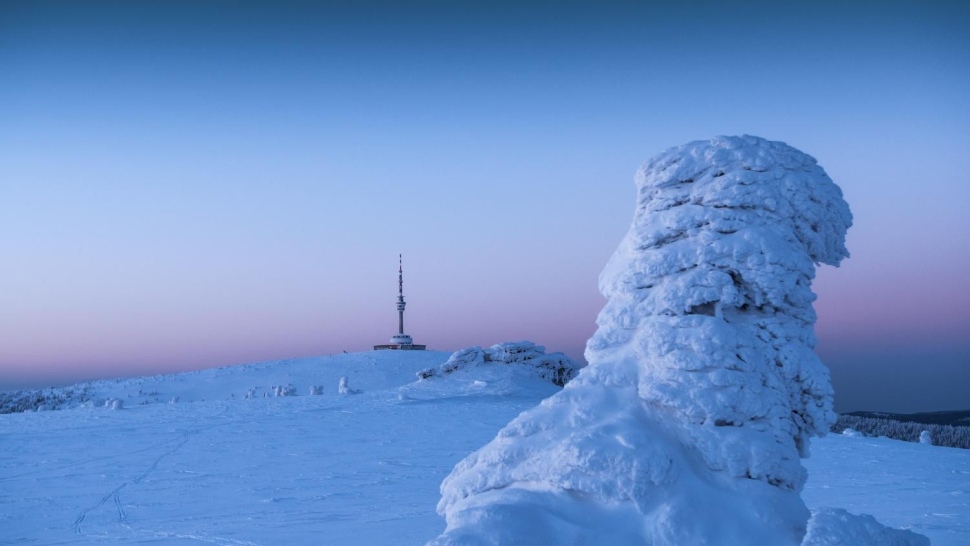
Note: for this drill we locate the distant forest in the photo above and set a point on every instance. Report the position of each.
(959, 418)
(947, 428)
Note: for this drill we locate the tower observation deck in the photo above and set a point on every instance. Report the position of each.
(400, 341)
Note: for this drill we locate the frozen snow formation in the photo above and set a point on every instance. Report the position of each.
(288, 390)
(836, 527)
(343, 387)
(316, 390)
(702, 388)
(925, 437)
(555, 367)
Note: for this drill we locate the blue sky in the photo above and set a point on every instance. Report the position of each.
(195, 184)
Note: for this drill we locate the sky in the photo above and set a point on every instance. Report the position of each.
(194, 184)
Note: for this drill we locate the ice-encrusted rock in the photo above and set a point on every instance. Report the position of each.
(836, 527)
(702, 388)
(462, 358)
(554, 367)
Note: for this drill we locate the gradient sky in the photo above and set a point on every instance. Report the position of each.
(192, 184)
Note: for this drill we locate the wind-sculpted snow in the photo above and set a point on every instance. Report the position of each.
(554, 367)
(702, 389)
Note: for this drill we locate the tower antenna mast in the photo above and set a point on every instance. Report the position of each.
(400, 341)
(400, 294)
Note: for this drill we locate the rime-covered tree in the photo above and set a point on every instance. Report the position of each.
(702, 389)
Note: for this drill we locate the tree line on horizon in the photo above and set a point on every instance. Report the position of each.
(942, 435)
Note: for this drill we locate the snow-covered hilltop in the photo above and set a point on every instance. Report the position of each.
(376, 370)
(702, 389)
(319, 376)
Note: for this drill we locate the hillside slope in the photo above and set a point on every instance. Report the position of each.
(376, 370)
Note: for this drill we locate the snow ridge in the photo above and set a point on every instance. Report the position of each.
(702, 389)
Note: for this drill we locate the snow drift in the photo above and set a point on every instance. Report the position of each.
(702, 389)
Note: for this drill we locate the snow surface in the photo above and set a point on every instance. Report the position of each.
(903, 484)
(331, 469)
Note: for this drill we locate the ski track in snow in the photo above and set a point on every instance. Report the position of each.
(115, 494)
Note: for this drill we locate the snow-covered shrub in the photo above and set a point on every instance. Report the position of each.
(316, 390)
(702, 389)
(836, 527)
(117, 404)
(851, 433)
(926, 438)
(343, 387)
(555, 367)
(288, 390)
(53, 398)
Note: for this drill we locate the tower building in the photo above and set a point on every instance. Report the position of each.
(400, 341)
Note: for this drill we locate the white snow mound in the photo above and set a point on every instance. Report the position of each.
(702, 388)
